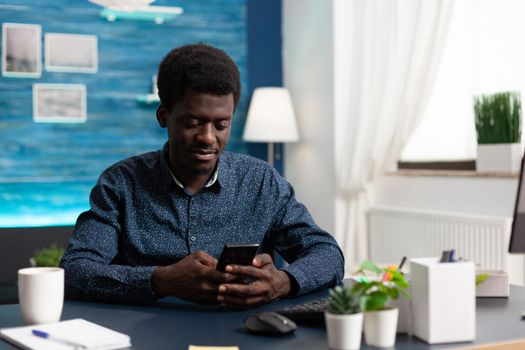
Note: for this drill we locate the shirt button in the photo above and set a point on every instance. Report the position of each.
(193, 238)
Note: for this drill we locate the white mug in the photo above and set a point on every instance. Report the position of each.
(41, 294)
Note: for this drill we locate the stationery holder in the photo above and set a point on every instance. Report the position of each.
(496, 284)
(443, 300)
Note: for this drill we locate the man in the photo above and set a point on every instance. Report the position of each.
(158, 221)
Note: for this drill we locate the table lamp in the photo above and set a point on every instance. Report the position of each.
(271, 119)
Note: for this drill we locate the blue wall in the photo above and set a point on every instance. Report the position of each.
(264, 57)
(47, 170)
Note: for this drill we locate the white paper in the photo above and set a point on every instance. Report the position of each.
(88, 334)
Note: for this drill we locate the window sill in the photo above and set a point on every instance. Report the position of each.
(453, 173)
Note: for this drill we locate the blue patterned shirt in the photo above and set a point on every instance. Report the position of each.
(140, 220)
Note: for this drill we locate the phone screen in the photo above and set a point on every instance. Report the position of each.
(239, 254)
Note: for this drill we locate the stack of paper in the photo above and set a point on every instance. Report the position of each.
(62, 336)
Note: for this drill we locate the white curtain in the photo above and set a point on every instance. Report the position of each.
(385, 68)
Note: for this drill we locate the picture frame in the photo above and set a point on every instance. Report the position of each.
(21, 50)
(73, 53)
(59, 103)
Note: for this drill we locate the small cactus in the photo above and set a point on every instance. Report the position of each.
(343, 301)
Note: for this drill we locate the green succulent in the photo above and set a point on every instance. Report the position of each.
(498, 118)
(49, 256)
(343, 301)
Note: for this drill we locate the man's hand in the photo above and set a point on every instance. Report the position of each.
(268, 284)
(193, 278)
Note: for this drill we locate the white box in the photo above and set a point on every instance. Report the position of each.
(496, 285)
(443, 300)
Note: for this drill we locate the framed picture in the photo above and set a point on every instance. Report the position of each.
(59, 103)
(21, 50)
(72, 53)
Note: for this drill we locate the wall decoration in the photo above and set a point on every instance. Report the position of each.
(72, 53)
(59, 103)
(153, 97)
(21, 50)
(154, 86)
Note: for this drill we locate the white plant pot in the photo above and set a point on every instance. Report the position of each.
(380, 327)
(344, 331)
(499, 157)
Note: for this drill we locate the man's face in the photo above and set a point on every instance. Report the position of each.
(198, 129)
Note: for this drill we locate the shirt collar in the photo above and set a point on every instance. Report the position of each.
(208, 184)
(166, 172)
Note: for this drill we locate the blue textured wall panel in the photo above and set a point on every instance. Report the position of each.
(264, 58)
(47, 170)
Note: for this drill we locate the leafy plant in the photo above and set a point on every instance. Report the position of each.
(343, 301)
(49, 256)
(498, 118)
(388, 283)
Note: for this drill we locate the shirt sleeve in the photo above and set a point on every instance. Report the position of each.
(314, 258)
(90, 271)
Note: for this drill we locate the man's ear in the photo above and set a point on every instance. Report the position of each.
(162, 116)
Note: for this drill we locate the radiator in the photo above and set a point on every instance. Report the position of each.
(397, 232)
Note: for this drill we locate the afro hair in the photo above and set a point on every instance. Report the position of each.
(199, 67)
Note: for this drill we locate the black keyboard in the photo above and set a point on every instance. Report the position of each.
(308, 313)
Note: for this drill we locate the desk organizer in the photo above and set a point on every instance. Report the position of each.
(443, 300)
(496, 285)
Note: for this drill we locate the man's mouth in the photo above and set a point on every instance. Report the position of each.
(203, 154)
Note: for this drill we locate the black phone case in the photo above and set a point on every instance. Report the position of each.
(241, 254)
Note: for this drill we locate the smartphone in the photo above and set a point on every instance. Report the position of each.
(237, 254)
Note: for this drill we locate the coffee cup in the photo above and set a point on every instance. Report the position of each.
(41, 294)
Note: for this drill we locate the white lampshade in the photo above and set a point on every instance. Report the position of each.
(271, 117)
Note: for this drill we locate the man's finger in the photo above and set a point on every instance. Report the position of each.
(247, 271)
(206, 259)
(222, 277)
(243, 290)
(262, 260)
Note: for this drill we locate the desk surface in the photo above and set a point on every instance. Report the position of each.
(172, 324)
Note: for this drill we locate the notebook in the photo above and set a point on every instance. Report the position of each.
(89, 335)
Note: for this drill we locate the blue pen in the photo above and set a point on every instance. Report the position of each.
(50, 337)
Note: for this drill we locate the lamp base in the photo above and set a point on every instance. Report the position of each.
(271, 158)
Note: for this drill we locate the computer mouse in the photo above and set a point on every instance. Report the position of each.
(269, 323)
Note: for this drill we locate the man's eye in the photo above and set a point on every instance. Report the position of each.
(223, 124)
(191, 122)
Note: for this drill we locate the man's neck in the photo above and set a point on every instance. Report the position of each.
(192, 181)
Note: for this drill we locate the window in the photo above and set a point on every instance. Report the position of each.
(484, 54)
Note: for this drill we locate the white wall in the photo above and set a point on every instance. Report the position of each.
(308, 74)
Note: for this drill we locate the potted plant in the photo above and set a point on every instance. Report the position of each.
(344, 319)
(498, 128)
(48, 256)
(380, 320)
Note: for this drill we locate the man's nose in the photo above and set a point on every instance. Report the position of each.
(206, 134)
